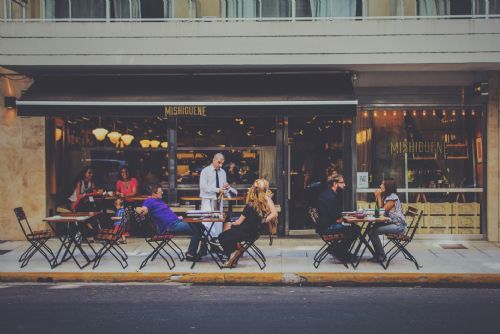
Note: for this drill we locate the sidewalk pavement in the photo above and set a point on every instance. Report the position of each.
(289, 261)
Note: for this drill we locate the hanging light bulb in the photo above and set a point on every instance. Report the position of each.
(463, 112)
(394, 113)
(145, 143)
(114, 136)
(414, 113)
(453, 112)
(433, 112)
(374, 113)
(424, 112)
(155, 143)
(100, 133)
(164, 144)
(127, 139)
(365, 113)
(385, 113)
(473, 113)
(404, 112)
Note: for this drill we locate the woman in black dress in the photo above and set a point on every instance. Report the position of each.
(259, 209)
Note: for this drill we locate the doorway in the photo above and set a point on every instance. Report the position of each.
(315, 146)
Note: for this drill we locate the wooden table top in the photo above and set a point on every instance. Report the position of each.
(367, 219)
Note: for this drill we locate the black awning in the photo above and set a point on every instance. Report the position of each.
(148, 94)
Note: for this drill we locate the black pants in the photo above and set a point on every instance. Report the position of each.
(350, 232)
(228, 239)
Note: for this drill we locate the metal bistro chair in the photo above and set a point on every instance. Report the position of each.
(398, 242)
(37, 240)
(248, 246)
(330, 240)
(110, 241)
(158, 242)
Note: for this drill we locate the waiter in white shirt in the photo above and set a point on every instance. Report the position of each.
(213, 184)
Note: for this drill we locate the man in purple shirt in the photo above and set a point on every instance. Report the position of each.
(167, 222)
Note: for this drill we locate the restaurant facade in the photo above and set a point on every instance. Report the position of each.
(433, 128)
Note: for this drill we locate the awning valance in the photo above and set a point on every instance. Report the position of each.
(118, 95)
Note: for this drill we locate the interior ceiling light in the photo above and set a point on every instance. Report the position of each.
(155, 143)
(100, 133)
(114, 136)
(145, 143)
(127, 139)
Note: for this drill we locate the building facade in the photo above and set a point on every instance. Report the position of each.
(286, 89)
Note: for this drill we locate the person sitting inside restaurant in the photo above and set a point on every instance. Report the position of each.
(330, 218)
(167, 222)
(126, 186)
(84, 185)
(259, 208)
(387, 198)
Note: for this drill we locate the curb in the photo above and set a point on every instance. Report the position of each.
(299, 278)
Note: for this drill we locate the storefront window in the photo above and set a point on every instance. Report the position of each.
(248, 145)
(139, 144)
(436, 157)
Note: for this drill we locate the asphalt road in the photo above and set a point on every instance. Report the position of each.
(169, 308)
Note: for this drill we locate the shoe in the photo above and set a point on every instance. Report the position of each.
(231, 263)
(203, 250)
(122, 241)
(192, 258)
(215, 247)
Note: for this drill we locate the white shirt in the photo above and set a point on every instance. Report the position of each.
(208, 187)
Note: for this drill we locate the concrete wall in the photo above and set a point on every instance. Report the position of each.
(467, 44)
(22, 163)
(493, 163)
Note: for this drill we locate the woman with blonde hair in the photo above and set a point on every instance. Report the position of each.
(259, 209)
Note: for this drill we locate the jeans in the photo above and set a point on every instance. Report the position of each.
(383, 228)
(195, 231)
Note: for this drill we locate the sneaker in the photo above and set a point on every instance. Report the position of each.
(215, 247)
(192, 258)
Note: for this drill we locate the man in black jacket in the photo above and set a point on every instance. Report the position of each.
(330, 217)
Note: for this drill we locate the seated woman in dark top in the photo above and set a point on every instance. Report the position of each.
(259, 207)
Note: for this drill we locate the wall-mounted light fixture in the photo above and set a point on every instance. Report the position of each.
(9, 102)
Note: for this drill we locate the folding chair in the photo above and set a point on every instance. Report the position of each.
(110, 241)
(158, 242)
(330, 241)
(37, 240)
(399, 242)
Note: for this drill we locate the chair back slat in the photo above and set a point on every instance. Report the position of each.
(23, 221)
(413, 228)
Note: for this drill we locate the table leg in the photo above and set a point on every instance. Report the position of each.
(363, 240)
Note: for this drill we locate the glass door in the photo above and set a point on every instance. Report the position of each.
(315, 147)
